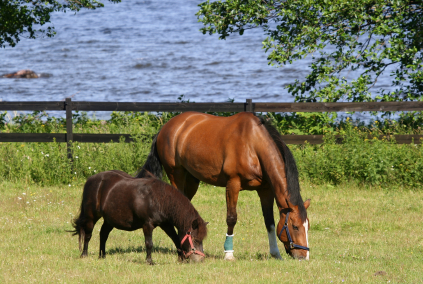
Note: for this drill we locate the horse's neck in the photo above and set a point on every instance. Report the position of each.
(273, 167)
(179, 216)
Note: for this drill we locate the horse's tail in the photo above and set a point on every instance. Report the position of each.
(153, 164)
(78, 223)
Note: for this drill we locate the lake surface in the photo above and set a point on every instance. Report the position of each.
(145, 51)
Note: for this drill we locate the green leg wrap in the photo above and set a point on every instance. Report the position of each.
(229, 244)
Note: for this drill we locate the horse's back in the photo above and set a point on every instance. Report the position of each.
(117, 197)
(212, 148)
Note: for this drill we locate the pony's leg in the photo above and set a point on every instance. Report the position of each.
(88, 228)
(104, 234)
(148, 235)
(267, 201)
(232, 191)
(191, 186)
(170, 231)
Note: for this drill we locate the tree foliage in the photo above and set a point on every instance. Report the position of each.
(27, 18)
(368, 37)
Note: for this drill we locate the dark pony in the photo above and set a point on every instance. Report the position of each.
(128, 203)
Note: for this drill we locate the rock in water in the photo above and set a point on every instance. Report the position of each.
(22, 74)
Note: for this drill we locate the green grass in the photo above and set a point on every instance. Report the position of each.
(355, 234)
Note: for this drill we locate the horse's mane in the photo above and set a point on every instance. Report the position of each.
(290, 167)
(178, 207)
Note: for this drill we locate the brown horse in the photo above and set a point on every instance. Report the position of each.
(128, 203)
(241, 152)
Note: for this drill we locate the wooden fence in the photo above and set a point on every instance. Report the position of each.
(68, 105)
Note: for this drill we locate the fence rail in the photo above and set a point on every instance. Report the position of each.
(68, 105)
(106, 138)
(213, 107)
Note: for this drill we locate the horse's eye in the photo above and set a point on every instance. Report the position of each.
(295, 227)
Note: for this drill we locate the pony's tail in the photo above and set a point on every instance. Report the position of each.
(77, 224)
(153, 164)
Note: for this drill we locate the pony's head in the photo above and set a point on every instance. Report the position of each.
(293, 229)
(192, 242)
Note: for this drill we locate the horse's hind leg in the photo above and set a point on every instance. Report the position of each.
(88, 229)
(176, 177)
(267, 201)
(191, 186)
(104, 234)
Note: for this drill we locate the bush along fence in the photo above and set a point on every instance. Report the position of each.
(372, 154)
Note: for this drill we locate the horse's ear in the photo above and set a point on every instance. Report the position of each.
(195, 224)
(205, 223)
(307, 203)
(149, 174)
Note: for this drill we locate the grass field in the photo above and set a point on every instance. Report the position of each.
(367, 235)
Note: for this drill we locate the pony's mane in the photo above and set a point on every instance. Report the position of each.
(178, 207)
(290, 167)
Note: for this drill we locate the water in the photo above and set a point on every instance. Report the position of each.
(144, 51)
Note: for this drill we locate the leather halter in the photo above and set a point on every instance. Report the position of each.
(291, 243)
(193, 249)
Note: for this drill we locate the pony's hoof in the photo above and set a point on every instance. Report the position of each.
(150, 262)
(229, 256)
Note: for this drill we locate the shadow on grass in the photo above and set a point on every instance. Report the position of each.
(172, 251)
(140, 249)
(156, 249)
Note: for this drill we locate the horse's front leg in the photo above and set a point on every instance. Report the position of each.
(232, 191)
(170, 231)
(267, 201)
(148, 235)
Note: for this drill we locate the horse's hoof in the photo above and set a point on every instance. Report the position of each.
(277, 256)
(229, 256)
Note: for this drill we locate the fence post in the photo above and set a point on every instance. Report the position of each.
(249, 105)
(69, 133)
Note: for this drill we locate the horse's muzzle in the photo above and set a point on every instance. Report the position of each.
(300, 255)
(196, 258)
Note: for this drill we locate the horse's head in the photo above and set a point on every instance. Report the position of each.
(292, 231)
(192, 242)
